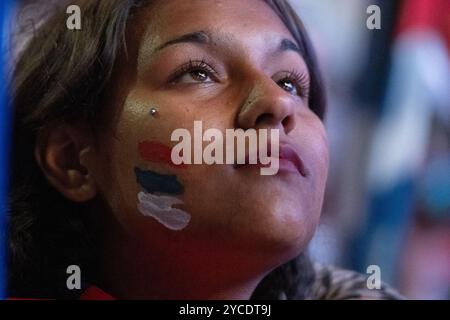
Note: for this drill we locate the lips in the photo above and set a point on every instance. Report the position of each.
(288, 153)
(289, 160)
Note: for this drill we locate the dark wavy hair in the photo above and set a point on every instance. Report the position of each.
(62, 77)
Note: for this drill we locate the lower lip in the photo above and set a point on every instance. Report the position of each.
(284, 166)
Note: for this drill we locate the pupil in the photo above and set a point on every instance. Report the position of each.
(199, 75)
(288, 86)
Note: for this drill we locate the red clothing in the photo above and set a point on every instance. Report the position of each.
(94, 293)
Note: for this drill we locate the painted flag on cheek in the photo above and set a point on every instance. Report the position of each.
(154, 182)
(157, 152)
(158, 200)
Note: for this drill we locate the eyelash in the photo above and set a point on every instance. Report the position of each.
(300, 79)
(192, 65)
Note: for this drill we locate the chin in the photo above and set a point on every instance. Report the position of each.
(279, 231)
(256, 219)
(290, 229)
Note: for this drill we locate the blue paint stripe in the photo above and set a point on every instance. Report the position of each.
(154, 182)
(6, 9)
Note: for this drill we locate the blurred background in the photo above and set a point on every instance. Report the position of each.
(388, 196)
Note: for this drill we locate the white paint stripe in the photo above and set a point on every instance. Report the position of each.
(161, 208)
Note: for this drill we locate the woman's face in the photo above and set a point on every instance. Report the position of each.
(236, 68)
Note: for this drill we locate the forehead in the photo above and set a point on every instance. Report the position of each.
(252, 21)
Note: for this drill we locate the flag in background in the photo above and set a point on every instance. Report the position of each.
(418, 93)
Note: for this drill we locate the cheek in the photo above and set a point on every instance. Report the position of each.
(322, 153)
(315, 147)
(321, 163)
(317, 142)
(147, 183)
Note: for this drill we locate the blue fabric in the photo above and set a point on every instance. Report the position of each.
(381, 238)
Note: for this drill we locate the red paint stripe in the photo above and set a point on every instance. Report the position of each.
(157, 152)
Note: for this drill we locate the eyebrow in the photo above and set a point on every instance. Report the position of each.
(289, 45)
(203, 37)
(200, 37)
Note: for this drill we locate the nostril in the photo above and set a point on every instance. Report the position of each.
(263, 118)
(287, 122)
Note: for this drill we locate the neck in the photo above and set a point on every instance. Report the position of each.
(138, 274)
(178, 269)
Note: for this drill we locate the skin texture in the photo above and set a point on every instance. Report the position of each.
(243, 225)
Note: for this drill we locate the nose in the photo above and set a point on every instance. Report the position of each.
(268, 106)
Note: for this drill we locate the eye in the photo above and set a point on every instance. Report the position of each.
(194, 76)
(194, 72)
(295, 83)
(288, 86)
(199, 75)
